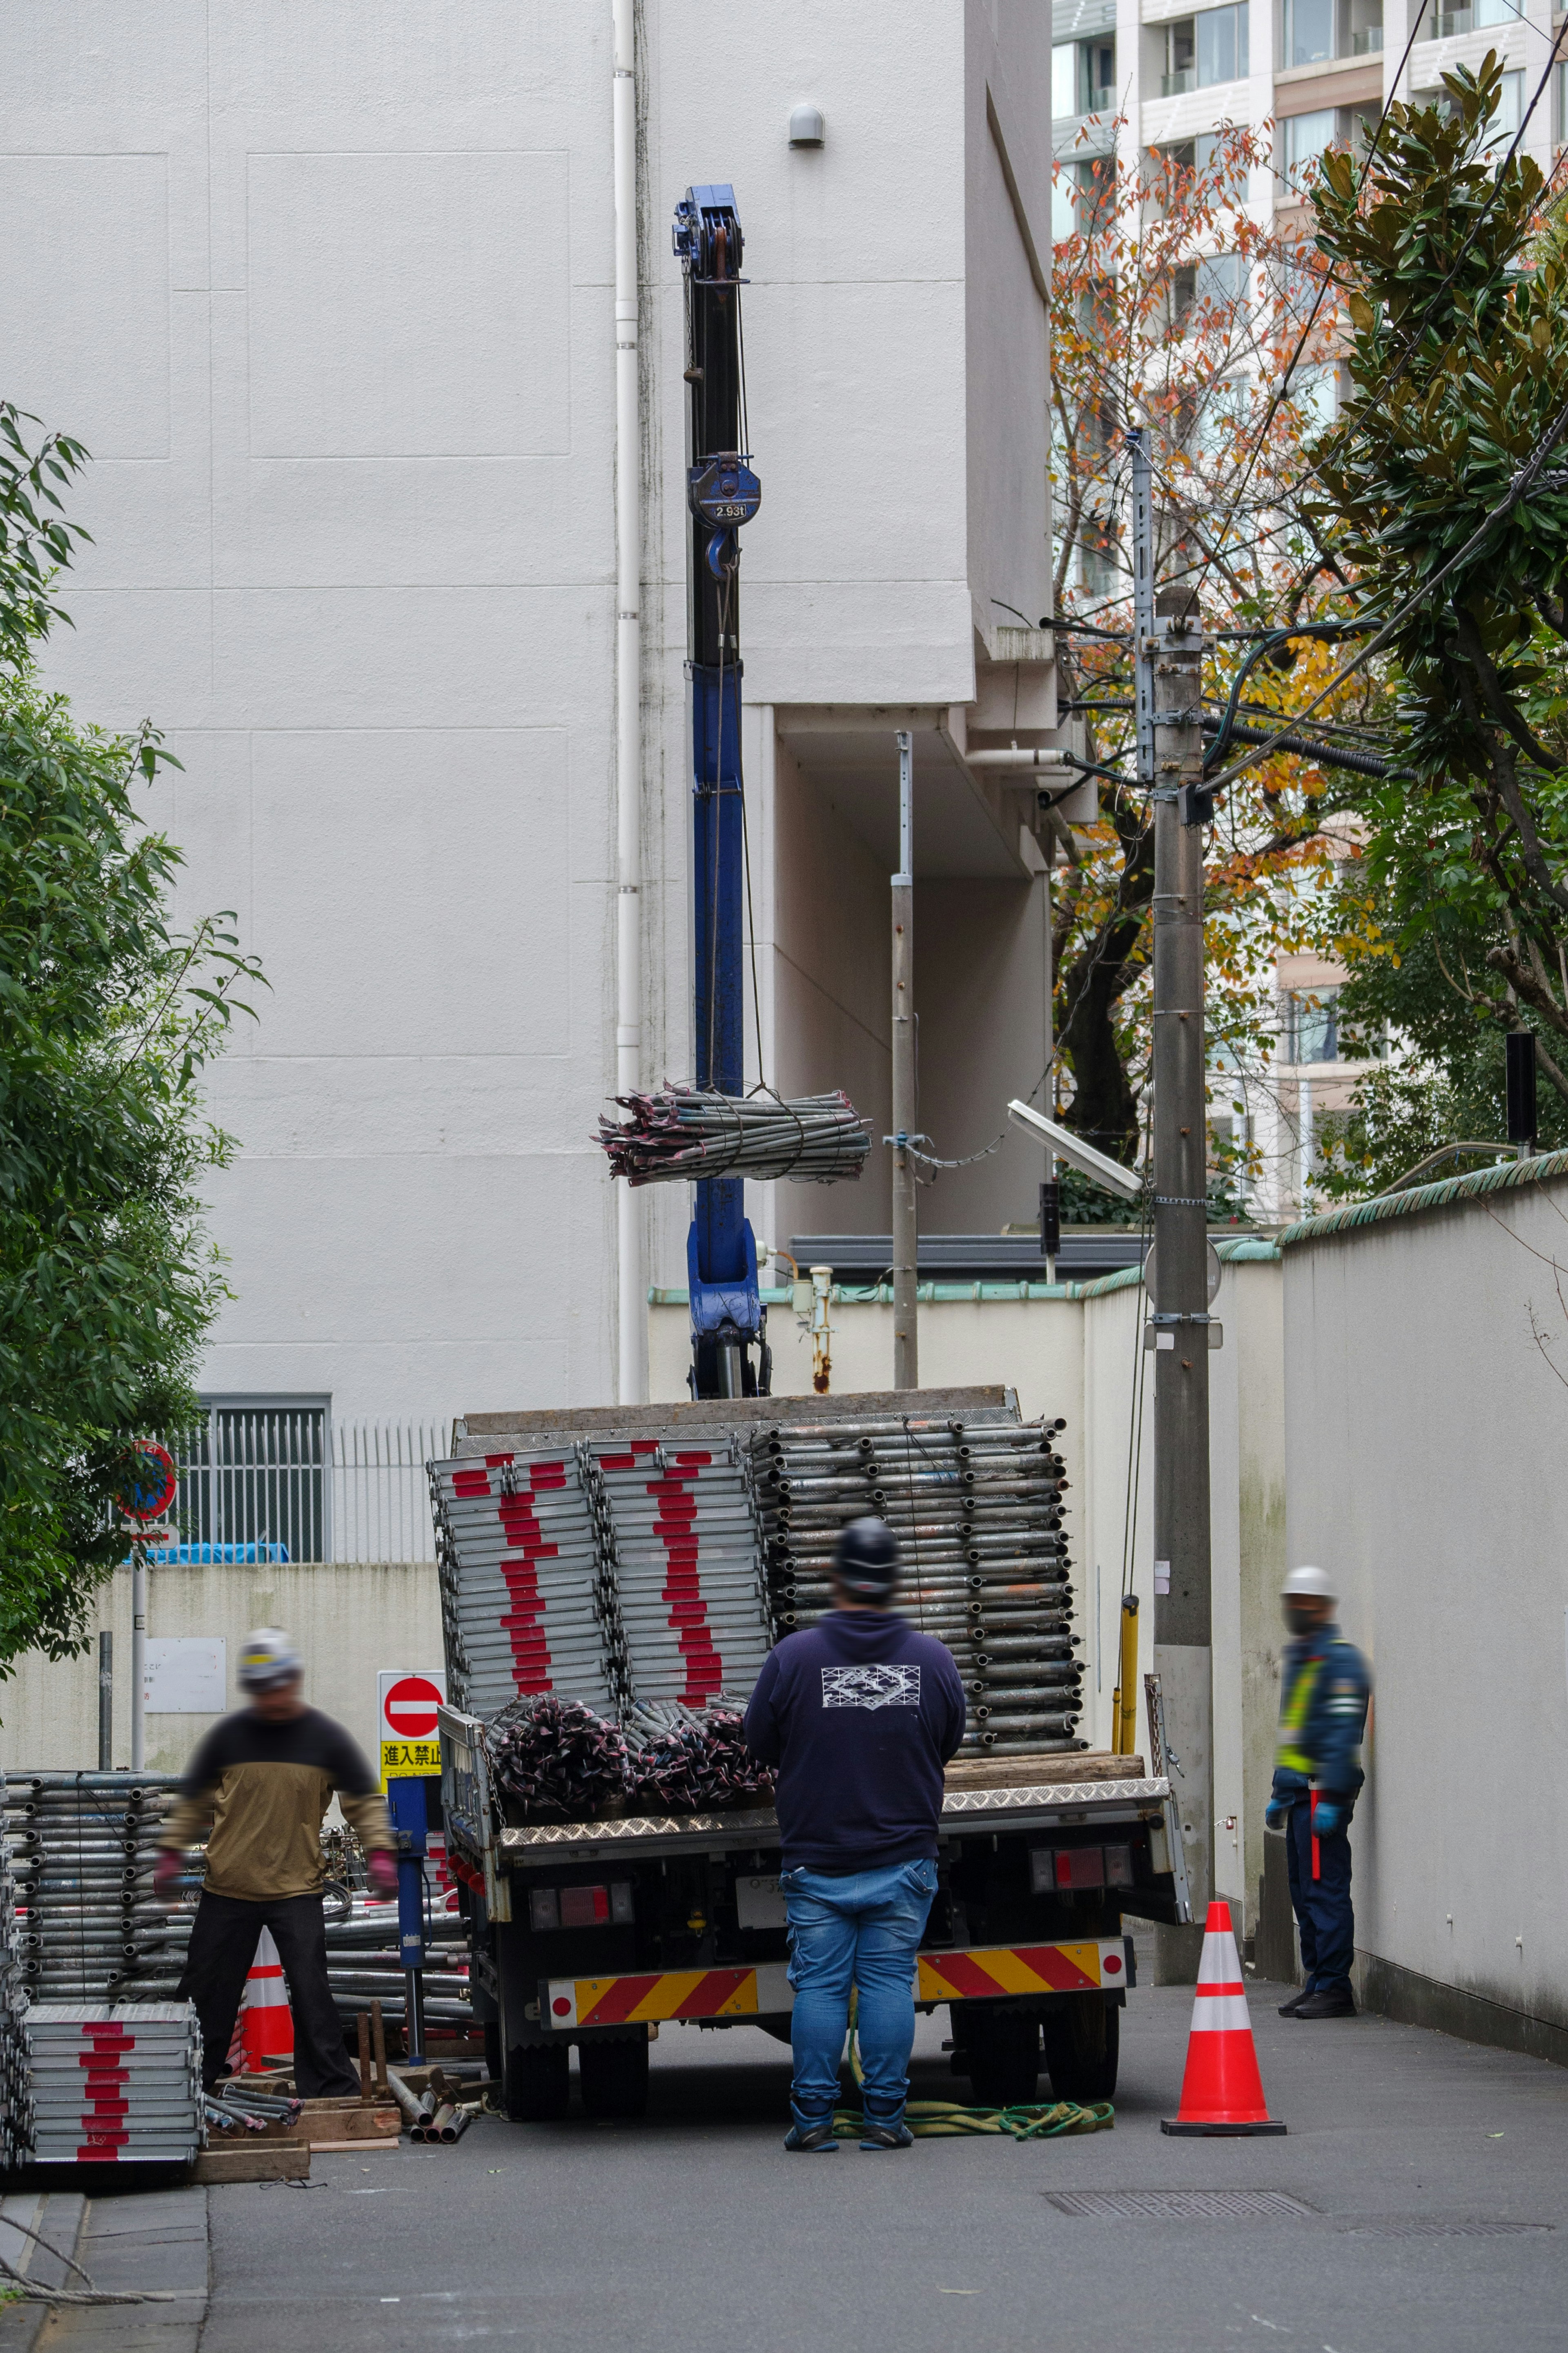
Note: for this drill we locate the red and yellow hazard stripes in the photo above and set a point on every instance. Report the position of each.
(667, 1993)
(992, 1969)
(1097, 1966)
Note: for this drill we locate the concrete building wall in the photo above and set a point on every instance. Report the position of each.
(350, 1622)
(1426, 1358)
(328, 292)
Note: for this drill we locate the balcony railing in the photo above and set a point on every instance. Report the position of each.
(1177, 84)
(1100, 101)
(1368, 42)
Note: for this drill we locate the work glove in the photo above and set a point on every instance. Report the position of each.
(1276, 1813)
(381, 1874)
(166, 1874)
(1331, 1814)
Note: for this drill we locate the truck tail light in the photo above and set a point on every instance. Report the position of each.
(1061, 1867)
(583, 1908)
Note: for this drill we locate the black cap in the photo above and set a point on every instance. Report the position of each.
(868, 1563)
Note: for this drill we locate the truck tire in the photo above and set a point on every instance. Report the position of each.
(1004, 2052)
(1082, 2044)
(538, 2082)
(615, 2078)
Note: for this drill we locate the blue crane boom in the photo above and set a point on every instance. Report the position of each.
(729, 1357)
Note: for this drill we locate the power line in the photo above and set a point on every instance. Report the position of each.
(1524, 480)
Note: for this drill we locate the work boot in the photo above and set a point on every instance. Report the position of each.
(886, 2132)
(1288, 2009)
(811, 2135)
(1331, 2001)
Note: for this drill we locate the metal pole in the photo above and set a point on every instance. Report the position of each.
(906, 1349)
(1170, 663)
(631, 1280)
(1050, 1191)
(106, 1702)
(138, 1656)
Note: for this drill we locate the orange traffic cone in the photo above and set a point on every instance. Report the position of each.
(265, 2027)
(1222, 2090)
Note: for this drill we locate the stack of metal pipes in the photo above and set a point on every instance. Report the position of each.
(977, 1508)
(83, 1921)
(526, 1603)
(682, 1537)
(365, 1964)
(685, 1132)
(15, 2076)
(116, 2084)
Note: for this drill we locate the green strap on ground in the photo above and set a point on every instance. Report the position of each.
(945, 2120)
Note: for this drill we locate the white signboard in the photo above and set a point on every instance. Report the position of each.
(186, 1675)
(406, 1699)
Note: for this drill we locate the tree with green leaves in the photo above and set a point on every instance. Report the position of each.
(108, 1285)
(1446, 499)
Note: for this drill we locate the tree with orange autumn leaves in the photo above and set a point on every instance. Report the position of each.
(1174, 307)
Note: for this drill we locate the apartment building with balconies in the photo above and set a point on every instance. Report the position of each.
(1318, 71)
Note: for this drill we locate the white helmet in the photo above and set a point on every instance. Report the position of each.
(267, 1659)
(1309, 1585)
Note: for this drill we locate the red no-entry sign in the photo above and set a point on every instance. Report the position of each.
(408, 1708)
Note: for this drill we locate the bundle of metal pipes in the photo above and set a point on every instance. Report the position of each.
(557, 1760)
(238, 2110)
(686, 1132)
(682, 1760)
(526, 1603)
(977, 1509)
(117, 2084)
(682, 1544)
(365, 1964)
(83, 1923)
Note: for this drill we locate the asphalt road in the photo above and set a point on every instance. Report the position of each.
(1434, 2173)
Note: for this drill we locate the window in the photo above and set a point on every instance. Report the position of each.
(1305, 136)
(1064, 78)
(1083, 77)
(1317, 30)
(1311, 1027)
(1222, 46)
(255, 1472)
(1472, 16)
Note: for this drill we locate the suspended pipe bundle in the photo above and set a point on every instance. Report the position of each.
(685, 1132)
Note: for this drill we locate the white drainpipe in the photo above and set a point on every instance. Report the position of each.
(631, 1285)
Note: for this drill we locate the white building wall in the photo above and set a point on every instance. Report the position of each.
(327, 289)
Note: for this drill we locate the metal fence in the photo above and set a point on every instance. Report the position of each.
(284, 1480)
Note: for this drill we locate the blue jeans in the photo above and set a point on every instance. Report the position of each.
(1322, 1905)
(864, 1929)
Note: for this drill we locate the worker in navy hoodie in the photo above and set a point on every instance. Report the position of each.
(859, 1714)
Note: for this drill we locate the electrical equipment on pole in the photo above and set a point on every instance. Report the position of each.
(729, 1353)
(1170, 652)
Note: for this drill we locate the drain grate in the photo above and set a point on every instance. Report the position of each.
(1182, 2205)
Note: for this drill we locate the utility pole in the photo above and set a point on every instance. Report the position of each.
(1170, 650)
(906, 1349)
(1051, 1190)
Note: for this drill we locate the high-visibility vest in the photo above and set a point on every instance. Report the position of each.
(1290, 1755)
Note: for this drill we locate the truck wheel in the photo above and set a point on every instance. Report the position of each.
(538, 2082)
(1082, 2043)
(1004, 2050)
(615, 2078)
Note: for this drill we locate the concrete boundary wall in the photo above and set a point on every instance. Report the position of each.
(349, 1621)
(1425, 1353)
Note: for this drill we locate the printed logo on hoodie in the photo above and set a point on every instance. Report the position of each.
(872, 1686)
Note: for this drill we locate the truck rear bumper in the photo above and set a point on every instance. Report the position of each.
(982, 1973)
